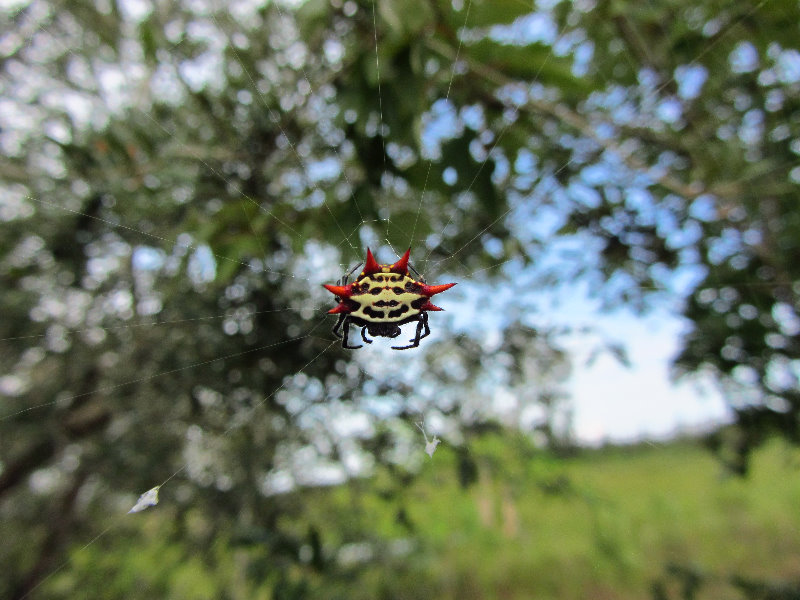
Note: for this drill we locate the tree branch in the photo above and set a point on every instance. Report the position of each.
(573, 120)
(58, 528)
(30, 459)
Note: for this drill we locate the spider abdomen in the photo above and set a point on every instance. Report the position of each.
(386, 301)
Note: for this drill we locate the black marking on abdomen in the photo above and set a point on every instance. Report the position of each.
(370, 312)
(386, 303)
(397, 312)
(352, 305)
(419, 302)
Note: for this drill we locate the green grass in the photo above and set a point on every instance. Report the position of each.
(602, 524)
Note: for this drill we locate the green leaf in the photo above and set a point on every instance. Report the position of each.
(534, 62)
(311, 15)
(483, 13)
(405, 18)
(148, 39)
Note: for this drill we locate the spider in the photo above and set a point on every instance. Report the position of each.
(381, 299)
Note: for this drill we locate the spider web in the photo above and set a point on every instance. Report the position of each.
(367, 228)
(150, 498)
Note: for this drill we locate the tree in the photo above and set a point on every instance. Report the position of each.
(195, 165)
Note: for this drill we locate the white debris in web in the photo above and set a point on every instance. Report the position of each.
(430, 445)
(146, 500)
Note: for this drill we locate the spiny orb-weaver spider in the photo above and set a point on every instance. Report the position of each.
(381, 299)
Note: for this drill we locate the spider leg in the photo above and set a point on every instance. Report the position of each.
(364, 335)
(427, 332)
(346, 331)
(344, 280)
(416, 273)
(422, 321)
(338, 327)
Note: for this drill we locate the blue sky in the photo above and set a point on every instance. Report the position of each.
(616, 403)
(609, 401)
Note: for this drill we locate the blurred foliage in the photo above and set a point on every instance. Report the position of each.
(179, 178)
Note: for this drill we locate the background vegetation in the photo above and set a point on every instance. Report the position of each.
(637, 522)
(179, 178)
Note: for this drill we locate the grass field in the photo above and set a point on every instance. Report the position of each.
(645, 521)
(625, 522)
